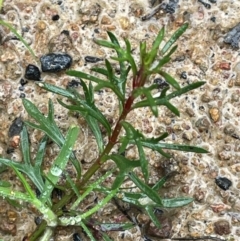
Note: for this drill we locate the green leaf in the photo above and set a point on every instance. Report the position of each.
(174, 38)
(145, 189)
(176, 202)
(135, 136)
(153, 53)
(162, 99)
(101, 83)
(172, 108)
(171, 146)
(48, 126)
(170, 80)
(106, 227)
(24, 182)
(150, 211)
(159, 184)
(59, 163)
(13, 30)
(113, 38)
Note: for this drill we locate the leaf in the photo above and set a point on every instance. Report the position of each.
(145, 189)
(24, 182)
(170, 80)
(101, 83)
(172, 108)
(106, 227)
(162, 99)
(59, 163)
(174, 38)
(13, 30)
(135, 137)
(176, 202)
(48, 126)
(150, 57)
(56, 90)
(151, 214)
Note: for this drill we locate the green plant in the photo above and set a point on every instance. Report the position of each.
(75, 191)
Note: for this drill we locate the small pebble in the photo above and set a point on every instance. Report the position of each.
(55, 62)
(92, 59)
(76, 237)
(222, 227)
(32, 72)
(73, 83)
(22, 95)
(225, 66)
(55, 17)
(23, 82)
(214, 114)
(16, 127)
(161, 83)
(183, 75)
(223, 182)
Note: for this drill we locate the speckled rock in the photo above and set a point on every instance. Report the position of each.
(55, 62)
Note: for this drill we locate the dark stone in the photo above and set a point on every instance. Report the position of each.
(170, 7)
(233, 37)
(206, 5)
(32, 72)
(66, 32)
(16, 127)
(73, 83)
(223, 182)
(22, 95)
(183, 75)
(55, 17)
(23, 82)
(212, 1)
(55, 62)
(222, 227)
(92, 59)
(161, 83)
(76, 237)
(37, 220)
(213, 19)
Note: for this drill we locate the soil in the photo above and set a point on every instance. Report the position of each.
(210, 116)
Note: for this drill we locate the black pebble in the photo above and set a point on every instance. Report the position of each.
(223, 183)
(161, 83)
(32, 72)
(73, 83)
(184, 75)
(76, 237)
(213, 19)
(92, 59)
(16, 127)
(37, 220)
(23, 82)
(55, 17)
(206, 5)
(55, 62)
(22, 95)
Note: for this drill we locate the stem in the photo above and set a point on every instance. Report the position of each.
(138, 81)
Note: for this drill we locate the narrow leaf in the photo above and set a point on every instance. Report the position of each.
(174, 38)
(170, 80)
(145, 189)
(176, 202)
(150, 211)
